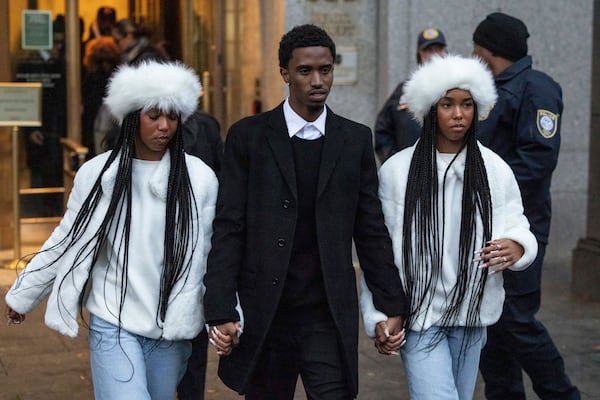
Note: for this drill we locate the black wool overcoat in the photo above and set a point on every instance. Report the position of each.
(254, 232)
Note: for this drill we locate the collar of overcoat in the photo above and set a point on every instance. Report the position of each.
(281, 146)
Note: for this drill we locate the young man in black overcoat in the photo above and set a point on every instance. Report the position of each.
(298, 185)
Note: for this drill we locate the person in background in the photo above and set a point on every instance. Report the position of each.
(43, 149)
(201, 138)
(298, 183)
(101, 58)
(445, 199)
(524, 129)
(395, 129)
(106, 17)
(134, 41)
(102, 26)
(133, 243)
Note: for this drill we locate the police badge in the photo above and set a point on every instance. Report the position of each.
(547, 122)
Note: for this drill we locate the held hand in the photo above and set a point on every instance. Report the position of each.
(389, 336)
(394, 324)
(225, 337)
(13, 317)
(500, 254)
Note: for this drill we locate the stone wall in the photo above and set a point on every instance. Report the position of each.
(384, 35)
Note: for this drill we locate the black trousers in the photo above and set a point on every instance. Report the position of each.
(192, 384)
(309, 350)
(518, 341)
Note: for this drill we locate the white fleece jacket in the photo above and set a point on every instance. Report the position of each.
(64, 283)
(507, 218)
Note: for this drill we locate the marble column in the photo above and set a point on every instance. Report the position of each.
(586, 256)
(6, 181)
(73, 70)
(272, 15)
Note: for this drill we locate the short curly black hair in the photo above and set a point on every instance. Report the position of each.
(307, 35)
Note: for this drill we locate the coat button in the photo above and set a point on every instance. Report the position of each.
(275, 281)
(281, 242)
(286, 204)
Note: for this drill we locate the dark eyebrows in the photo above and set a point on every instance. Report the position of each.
(305, 66)
(451, 98)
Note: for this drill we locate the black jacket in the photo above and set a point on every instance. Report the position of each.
(395, 128)
(202, 138)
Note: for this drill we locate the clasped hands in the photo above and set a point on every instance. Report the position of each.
(389, 336)
(225, 337)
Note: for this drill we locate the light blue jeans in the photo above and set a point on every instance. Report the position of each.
(445, 371)
(135, 367)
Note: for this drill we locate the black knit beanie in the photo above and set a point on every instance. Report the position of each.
(503, 35)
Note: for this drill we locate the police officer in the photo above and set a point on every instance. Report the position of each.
(524, 129)
(395, 128)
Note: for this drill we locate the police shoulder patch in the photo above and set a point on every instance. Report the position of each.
(547, 123)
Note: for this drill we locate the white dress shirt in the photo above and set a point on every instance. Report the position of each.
(298, 126)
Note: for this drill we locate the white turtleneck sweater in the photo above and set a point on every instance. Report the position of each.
(146, 257)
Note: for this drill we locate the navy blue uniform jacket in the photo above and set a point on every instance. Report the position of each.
(524, 129)
(395, 127)
(254, 232)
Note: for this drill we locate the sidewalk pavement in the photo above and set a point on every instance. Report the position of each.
(37, 363)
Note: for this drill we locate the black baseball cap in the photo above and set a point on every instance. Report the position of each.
(430, 36)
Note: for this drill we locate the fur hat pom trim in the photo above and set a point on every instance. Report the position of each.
(430, 82)
(169, 86)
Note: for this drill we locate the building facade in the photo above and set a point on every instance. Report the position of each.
(232, 44)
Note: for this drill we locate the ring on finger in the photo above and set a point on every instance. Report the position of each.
(499, 247)
(504, 259)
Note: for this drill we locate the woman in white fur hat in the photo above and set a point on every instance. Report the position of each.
(454, 212)
(132, 245)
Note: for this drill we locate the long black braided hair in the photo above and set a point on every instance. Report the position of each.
(422, 243)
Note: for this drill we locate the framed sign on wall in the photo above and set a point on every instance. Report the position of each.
(37, 30)
(20, 104)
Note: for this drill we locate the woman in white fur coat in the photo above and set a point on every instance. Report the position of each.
(132, 245)
(454, 212)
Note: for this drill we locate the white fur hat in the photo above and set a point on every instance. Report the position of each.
(169, 86)
(430, 82)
